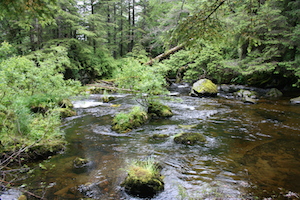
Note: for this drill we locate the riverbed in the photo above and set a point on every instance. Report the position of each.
(252, 151)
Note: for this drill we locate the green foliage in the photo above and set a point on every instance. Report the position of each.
(247, 42)
(75, 59)
(21, 8)
(6, 51)
(25, 85)
(141, 79)
(205, 61)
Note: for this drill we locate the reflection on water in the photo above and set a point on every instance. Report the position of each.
(252, 151)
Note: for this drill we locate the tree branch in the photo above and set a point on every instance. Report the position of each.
(165, 54)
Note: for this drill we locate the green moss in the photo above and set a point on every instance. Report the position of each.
(106, 97)
(205, 86)
(189, 138)
(143, 179)
(125, 122)
(159, 110)
(67, 112)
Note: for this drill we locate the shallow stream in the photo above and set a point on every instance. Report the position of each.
(252, 151)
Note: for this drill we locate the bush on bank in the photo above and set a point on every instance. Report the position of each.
(31, 93)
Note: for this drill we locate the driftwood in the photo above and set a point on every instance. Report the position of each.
(165, 54)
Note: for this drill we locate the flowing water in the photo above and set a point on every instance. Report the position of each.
(252, 151)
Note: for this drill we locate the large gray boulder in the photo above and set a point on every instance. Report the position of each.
(204, 87)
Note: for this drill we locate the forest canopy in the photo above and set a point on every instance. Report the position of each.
(230, 41)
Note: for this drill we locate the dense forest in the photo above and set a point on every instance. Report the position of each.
(50, 48)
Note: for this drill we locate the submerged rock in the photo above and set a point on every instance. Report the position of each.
(160, 136)
(274, 93)
(295, 100)
(204, 87)
(91, 190)
(81, 165)
(143, 180)
(188, 126)
(189, 138)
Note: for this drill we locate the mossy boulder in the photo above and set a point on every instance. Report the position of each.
(274, 93)
(204, 87)
(143, 180)
(125, 122)
(158, 110)
(189, 138)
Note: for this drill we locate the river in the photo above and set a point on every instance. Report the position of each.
(252, 151)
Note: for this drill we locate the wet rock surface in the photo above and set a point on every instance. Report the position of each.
(189, 138)
(204, 88)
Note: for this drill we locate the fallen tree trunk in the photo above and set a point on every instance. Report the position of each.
(109, 87)
(165, 54)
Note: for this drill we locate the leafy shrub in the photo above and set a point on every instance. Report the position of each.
(24, 85)
(139, 78)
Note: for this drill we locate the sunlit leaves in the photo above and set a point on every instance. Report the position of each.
(140, 78)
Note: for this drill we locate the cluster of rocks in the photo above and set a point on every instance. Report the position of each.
(206, 88)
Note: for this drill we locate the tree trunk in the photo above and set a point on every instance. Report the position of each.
(165, 55)
(129, 48)
(115, 31)
(133, 25)
(121, 29)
